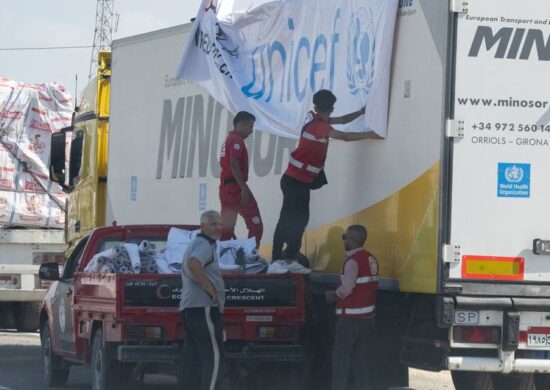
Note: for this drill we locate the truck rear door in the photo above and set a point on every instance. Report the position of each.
(500, 162)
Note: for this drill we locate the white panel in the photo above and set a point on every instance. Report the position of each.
(500, 170)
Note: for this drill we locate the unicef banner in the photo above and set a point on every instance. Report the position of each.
(270, 59)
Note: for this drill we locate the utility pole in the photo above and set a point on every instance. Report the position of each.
(105, 24)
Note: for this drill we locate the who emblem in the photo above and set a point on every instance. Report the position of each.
(361, 52)
(514, 174)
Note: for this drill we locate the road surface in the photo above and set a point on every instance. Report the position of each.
(21, 369)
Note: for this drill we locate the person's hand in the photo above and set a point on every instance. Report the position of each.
(331, 296)
(245, 197)
(213, 293)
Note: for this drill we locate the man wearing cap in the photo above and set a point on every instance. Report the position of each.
(355, 300)
(305, 168)
(235, 196)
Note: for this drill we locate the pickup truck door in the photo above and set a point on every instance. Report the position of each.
(62, 304)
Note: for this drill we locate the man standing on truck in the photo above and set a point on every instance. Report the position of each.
(202, 302)
(305, 171)
(355, 300)
(235, 196)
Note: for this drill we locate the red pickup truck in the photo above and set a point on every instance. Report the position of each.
(120, 323)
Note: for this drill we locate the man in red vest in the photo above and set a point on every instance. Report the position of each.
(306, 162)
(355, 300)
(235, 196)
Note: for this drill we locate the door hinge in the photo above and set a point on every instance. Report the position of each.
(454, 128)
(460, 6)
(451, 253)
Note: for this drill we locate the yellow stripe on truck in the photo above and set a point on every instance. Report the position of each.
(402, 235)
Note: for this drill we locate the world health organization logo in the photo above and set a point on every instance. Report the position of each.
(361, 52)
(514, 174)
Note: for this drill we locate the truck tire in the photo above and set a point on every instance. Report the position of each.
(106, 372)
(472, 380)
(53, 376)
(27, 316)
(514, 382)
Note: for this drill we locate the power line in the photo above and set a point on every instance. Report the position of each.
(44, 48)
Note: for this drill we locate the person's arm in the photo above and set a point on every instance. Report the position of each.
(349, 279)
(342, 120)
(345, 136)
(194, 267)
(238, 175)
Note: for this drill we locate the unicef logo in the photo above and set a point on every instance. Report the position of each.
(360, 55)
(514, 174)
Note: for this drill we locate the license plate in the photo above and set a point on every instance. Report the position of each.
(538, 340)
(466, 317)
(10, 281)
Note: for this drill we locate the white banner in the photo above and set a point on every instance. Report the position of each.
(270, 59)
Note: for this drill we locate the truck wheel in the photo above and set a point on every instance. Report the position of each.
(27, 316)
(53, 376)
(514, 381)
(472, 380)
(105, 375)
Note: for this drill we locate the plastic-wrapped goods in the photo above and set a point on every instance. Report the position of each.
(125, 270)
(133, 253)
(107, 269)
(29, 114)
(228, 259)
(101, 258)
(248, 246)
(134, 258)
(162, 265)
(241, 255)
(178, 236)
(144, 246)
(176, 244)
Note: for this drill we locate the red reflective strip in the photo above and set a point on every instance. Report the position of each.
(538, 329)
(522, 336)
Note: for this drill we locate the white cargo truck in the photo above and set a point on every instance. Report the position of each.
(31, 207)
(454, 198)
(21, 292)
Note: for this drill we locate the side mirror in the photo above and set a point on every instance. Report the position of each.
(57, 157)
(49, 271)
(75, 160)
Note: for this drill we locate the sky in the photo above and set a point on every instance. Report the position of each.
(46, 23)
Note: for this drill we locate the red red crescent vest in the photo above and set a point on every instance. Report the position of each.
(361, 303)
(307, 160)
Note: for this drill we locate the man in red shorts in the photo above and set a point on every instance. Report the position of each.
(235, 196)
